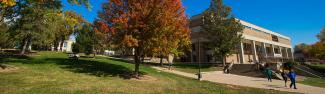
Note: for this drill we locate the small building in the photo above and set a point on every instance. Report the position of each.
(67, 46)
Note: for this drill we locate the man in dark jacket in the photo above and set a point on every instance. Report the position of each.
(292, 76)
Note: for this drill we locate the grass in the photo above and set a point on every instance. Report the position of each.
(319, 67)
(54, 73)
(194, 68)
(314, 82)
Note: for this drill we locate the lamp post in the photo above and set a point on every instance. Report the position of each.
(199, 63)
(199, 50)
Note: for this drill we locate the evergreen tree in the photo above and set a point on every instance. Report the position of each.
(221, 29)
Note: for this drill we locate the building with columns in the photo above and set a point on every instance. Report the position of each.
(258, 45)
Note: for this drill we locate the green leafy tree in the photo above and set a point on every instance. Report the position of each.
(87, 39)
(76, 48)
(68, 23)
(5, 40)
(221, 29)
(33, 26)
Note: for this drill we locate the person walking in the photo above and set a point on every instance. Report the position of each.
(292, 76)
(284, 76)
(268, 72)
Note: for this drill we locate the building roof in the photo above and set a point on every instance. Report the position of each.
(249, 25)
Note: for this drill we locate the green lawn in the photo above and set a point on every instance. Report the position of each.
(194, 68)
(319, 67)
(53, 73)
(314, 82)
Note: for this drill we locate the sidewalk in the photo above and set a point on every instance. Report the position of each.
(220, 77)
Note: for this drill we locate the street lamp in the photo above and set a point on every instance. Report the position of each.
(199, 50)
(199, 63)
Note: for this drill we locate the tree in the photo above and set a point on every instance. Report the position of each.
(321, 36)
(32, 24)
(87, 39)
(68, 23)
(221, 29)
(4, 36)
(318, 50)
(142, 24)
(304, 49)
(8, 3)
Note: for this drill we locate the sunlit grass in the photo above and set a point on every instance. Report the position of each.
(54, 73)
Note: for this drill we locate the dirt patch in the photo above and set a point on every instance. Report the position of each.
(145, 78)
(7, 68)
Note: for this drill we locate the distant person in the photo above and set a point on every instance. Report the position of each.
(225, 69)
(268, 72)
(284, 76)
(292, 76)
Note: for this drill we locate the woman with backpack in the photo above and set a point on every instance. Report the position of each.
(284, 76)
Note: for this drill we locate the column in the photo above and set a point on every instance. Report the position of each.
(292, 55)
(287, 53)
(254, 51)
(273, 53)
(264, 50)
(242, 57)
(280, 49)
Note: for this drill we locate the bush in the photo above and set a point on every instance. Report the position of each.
(319, 68)
(75, 48)
(88, 49)
(289, 65)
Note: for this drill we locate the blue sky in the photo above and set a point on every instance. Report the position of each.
(301, 20)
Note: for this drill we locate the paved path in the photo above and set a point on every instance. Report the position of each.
(220, 77)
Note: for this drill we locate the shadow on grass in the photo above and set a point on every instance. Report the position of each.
(91, 67)
(120, 60)
(13, 58)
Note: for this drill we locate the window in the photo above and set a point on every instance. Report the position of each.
(275, 38)
(276, 51)
(65, 44)
(268, 50)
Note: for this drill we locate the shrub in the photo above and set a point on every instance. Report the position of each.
(75, 48)
(319, 68)
(289, 65)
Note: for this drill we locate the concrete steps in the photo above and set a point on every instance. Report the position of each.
(306, 71)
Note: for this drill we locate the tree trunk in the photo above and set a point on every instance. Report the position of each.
(24, 47)
(94, 53)
(61, 44)
(29, 45)
(223, 61)
(161, 60)
(142, 59)
(137, 63)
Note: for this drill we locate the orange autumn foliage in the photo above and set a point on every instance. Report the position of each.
(151, 27)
